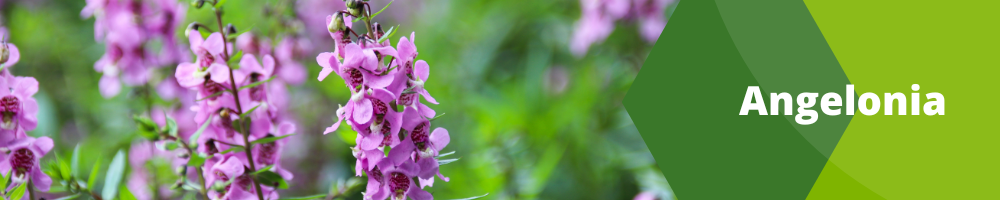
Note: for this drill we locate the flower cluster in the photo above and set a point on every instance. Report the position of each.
(127, 28)
(382, 78)
(599, 16)
(239, 107)
(20, 153)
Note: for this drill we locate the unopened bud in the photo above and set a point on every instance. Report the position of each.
(181, 170)
(337, 24)
(4, 53)
(231, 29)
(177, 185)
(378, 30)
(355, 6)
(198, 3)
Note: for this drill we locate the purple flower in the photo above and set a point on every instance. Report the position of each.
(399, 182)
(598, 17)
(268, 154)
(651, 17)
(209, 74)
(645, 196)
(17, 106)
(229, 168)
(287, 54)
(24, 160)
(249, 67)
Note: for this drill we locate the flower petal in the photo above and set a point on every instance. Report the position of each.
(440, 139)
(13, 57)
(110, 86)
(421, 69)
(40, 180)
(362, 111)
(214, 44)
(401, 153)
(416, 193)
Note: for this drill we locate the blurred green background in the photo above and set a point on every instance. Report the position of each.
(527, 118)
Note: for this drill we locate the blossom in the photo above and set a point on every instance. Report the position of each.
(209, 74)
(268, 154)
(24, 160)
(233, 167)
(598, 18)
(399, 182)
(17, 106)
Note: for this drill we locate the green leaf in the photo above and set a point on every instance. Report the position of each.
(270, 139)
(244, 114)
(114, 176)
(475, 197)
(147, 128)
(194, 137)
(446, 161)
(197, 160)
(383, 9)
(444, 154)
(93, 174)
(232, 149)
(171, 127)
(235, 60)
(124, 194)
(74, 196)
(220, 3)
(255, 84)
(169, 145)
(389, 33)
(214, 95)
(271, 179)
(19, 191)
(317, 196)
(64, 168)
(268, 168)
(3, 183)
(436, 117)
(75, 166)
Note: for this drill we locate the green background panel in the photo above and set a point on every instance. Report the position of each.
(949, 47)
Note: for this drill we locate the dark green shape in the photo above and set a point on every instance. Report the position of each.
(685, 103)
(786, 52)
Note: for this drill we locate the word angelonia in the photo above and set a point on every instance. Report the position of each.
(831, 101)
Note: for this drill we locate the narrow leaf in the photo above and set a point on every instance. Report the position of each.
(383, 8)
(270, 139)
(244, 114)
(446, 161)
(74, 196)
(114, 177)
(19, 191)
(444, 154)
(271, 179)
(75, 166)
(220, 3)
(268, 168)
(214, 95)
(171, 127)
(389, 33)
(232, 149)
(318, 196)
(475, 197)
(255, 84)
(3, 183)
(93, 174)
(194, 137)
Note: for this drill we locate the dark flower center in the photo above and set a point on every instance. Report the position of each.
(257, 92)
(9, 107)
(387, 132)
(212, 87)
(380, 107)
(398, 183)
(210, 145)
(376, 173)
(268, 152)
(355, 77)
(206, 60)
(22, 160)
(419, 136)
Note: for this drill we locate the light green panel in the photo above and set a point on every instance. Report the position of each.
(945, 46)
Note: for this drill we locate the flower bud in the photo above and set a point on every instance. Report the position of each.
(198, 3)
(337, 24)
(378, 30)
(181, 170)
(231, 29)
(4, 53)
(355, 6)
